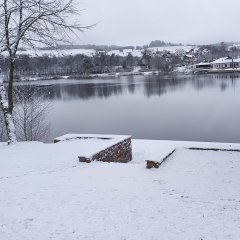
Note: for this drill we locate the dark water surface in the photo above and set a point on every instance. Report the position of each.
(193, 108)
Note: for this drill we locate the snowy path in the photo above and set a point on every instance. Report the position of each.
(46, 194)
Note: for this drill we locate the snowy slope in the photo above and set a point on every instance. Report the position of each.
(91, 52)
(172, 49)
(58, 53)
(46, 194)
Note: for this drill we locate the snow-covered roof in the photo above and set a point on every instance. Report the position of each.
(189, 56)
(225, 60)
(203, 64)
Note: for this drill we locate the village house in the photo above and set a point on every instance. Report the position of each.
(225, 63)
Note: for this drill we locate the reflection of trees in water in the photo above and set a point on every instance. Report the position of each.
(226, 76)
(222, 81)
(202, 81)
(157, 85)
(85, 91)
(148, 86)
(132, 85)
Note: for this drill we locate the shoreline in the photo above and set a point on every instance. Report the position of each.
(90, 76)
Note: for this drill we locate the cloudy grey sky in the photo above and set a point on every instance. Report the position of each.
(137, 22)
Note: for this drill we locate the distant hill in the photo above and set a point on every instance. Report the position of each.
(156, 43)
(90, 46)
(159, 43)
(228, 44)
(153, 44)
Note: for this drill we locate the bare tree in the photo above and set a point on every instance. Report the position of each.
(3, 136)
(28, 23)
(30, 113)
(10, 127)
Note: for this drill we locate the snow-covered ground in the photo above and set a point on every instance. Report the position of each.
(91, 52)
(45, 193)
(173, 49)
(58, 53)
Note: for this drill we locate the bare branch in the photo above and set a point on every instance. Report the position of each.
(30, 23)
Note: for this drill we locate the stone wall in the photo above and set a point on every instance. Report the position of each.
(120, 152)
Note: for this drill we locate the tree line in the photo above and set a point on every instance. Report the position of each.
(82, 65)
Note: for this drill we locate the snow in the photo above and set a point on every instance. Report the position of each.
(45, 193)
(125, 52)
(115, 138)
(136, 69)
(225, 60)
(90, 144)
(203, 64)
(91, 52)
(58, 53)
(173, 49)
(184, 69)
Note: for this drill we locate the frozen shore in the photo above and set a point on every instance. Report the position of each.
(45, 193)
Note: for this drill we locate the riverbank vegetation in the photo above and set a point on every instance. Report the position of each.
(113, 59)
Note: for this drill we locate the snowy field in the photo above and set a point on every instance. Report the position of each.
(46, 194)
(91, 52)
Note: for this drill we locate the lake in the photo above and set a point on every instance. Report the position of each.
(192, 108)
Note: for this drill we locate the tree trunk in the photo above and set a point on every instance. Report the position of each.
(10, 86)
(7, 115)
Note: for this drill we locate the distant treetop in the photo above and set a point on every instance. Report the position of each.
(159, 43)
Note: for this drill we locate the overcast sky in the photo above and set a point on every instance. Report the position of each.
(137, 22)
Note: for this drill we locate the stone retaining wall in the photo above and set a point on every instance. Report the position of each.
(120, 152)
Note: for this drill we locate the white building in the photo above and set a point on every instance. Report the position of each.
(226, 62)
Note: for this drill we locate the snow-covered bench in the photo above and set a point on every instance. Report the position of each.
(105, 148)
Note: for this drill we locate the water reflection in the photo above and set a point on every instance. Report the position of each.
(199, 108)
(149, 86)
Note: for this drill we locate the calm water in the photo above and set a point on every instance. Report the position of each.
(195, 108)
